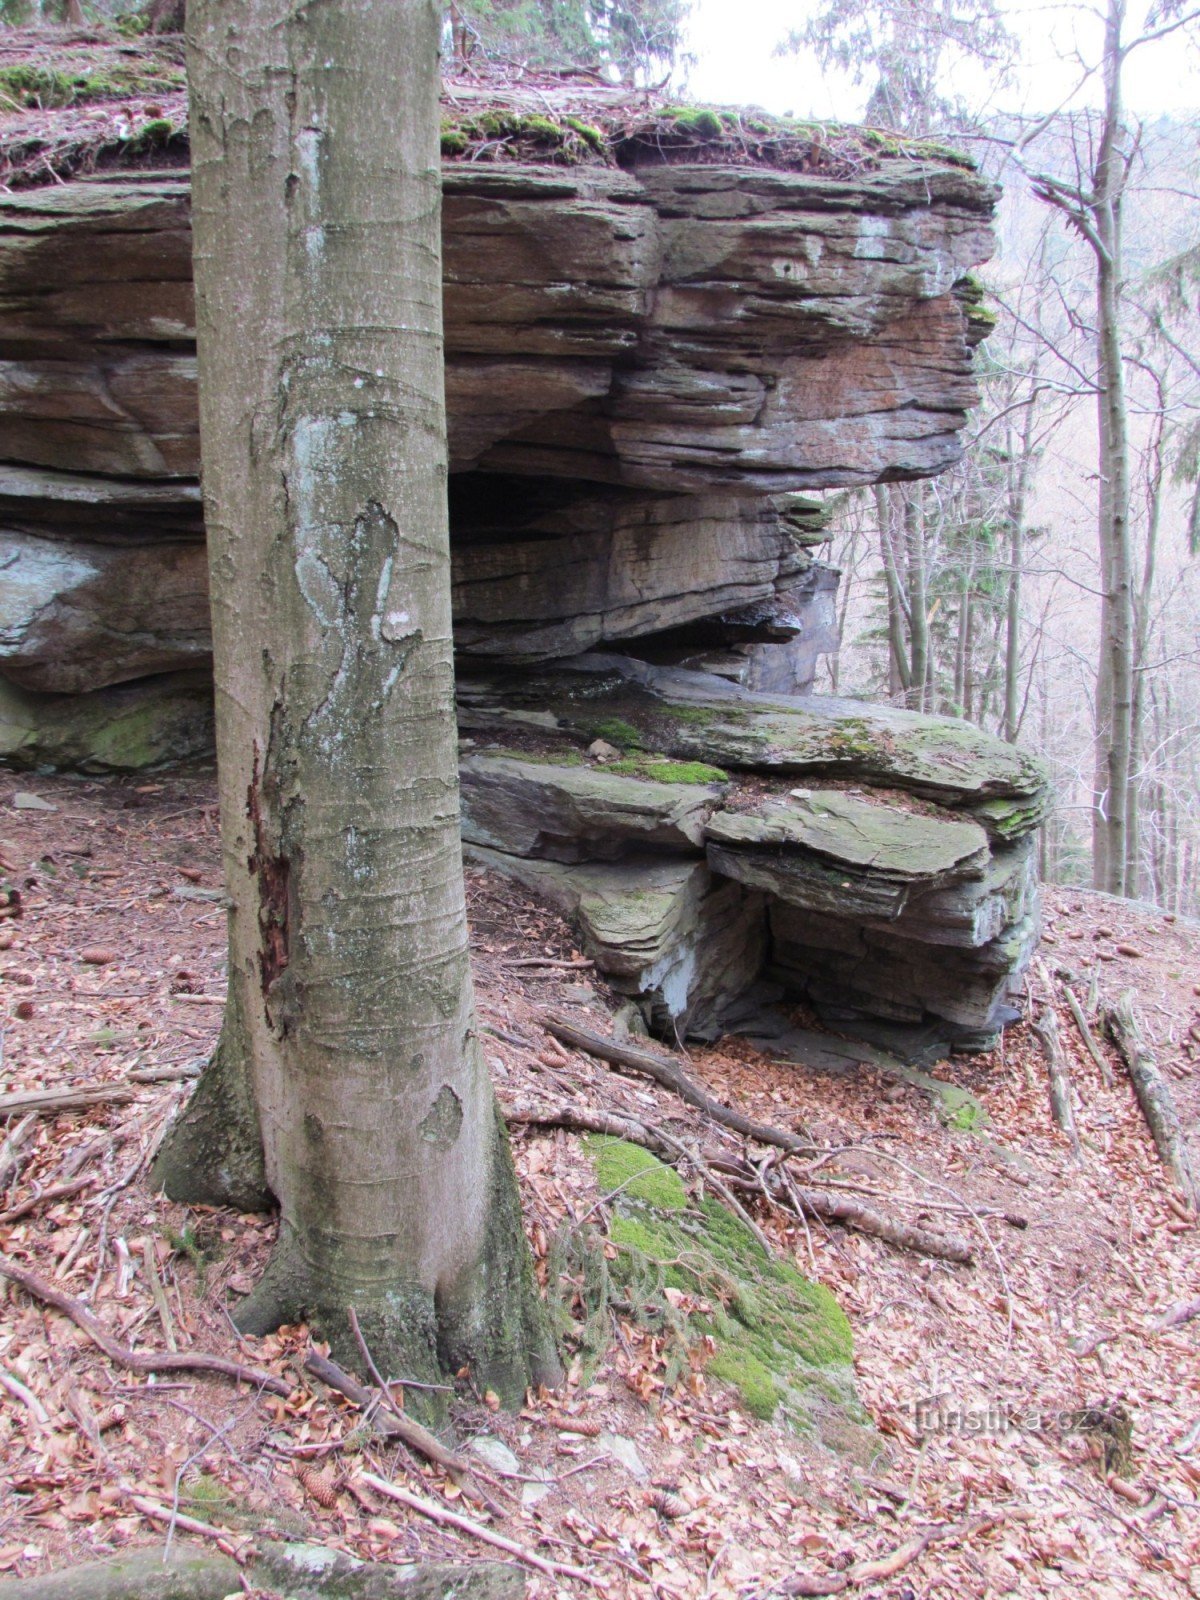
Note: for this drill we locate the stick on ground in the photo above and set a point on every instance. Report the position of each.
(1046, 1028)
(830, 1207)
(136, 1360)
(1154, 1097)
(451, 1519)
(666, 1073)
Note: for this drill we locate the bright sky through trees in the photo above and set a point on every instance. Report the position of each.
(733, 41)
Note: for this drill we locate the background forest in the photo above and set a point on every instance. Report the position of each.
(1047, 588)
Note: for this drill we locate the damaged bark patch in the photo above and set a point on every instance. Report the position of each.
(441, 1124)
(273, 873)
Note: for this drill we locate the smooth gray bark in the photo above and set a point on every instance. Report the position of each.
(350, 1054)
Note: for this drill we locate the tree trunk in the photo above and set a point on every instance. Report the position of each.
(1115, 710)
(899, 673)
(349, 1083)
(918, 604)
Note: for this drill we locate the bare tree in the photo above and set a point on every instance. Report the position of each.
(349, 1084)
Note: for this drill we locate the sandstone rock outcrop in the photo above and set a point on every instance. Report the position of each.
(657, 347)
(881, 890)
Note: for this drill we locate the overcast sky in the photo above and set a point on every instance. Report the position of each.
(733, 42)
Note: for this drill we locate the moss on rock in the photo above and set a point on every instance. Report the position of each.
(779, 1339)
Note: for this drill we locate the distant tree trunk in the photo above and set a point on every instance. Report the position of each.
(1115, 710)
(349, 1084)
(918, 597)
(1019, 470)
(899, 670)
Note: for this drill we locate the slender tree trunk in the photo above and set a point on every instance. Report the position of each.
(918, 601)
(1116, 728)
(349, 1084)
(1017, 497)
(899, 671)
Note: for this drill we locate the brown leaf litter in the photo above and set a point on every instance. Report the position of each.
(980, 1380)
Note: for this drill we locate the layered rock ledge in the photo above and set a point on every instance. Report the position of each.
(664, 334)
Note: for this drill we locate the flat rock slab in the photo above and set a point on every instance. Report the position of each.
(577, 813)
(835, 852)
(699, 717)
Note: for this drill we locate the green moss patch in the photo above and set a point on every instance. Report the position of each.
(661, 770)
(751, 1320)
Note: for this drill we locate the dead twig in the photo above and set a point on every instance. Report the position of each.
(664, 1072)
(13, 1386)
(135, 1360)
(864, 1572)
(41, 1197)
(451, 1519)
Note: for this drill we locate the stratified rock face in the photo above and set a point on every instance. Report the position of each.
(881, 891)
(694, 716)
(647, 369)
(674, 347)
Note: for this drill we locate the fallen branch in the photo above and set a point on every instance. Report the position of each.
(1175, 1316)
(43, 1101)
(830, 1207)
(177, 1519)
(864, 1572)
(41, 1197)
(452, 1519)
(13, 1386)
(1046, 1028)
(1154, 1097)
(136, 1360)
(395, 1424)
(11, 1157)
(1089, 1038)
(665, 1072)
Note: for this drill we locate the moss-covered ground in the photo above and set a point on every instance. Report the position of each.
(751, 1320)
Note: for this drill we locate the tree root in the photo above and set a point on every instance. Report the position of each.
(822, 1203)
(136, 1360)
(664, 1072)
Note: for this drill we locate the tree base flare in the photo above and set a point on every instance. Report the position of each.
(490, 1321)
(212, 1154)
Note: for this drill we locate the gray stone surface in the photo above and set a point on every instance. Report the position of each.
(696, 716)
(150, 723)
(826, 850)
(877, 972)
(577, 813)
(77, 616)
(682, 942)
(604, 569)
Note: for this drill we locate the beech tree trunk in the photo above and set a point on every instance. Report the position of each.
(349, 1085)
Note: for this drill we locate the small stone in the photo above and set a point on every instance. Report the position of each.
(624, 1452)
(601, 750)
(533, 1493)
(31, 802)
(494, 1453)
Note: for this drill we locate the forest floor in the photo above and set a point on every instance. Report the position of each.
(115, 967)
